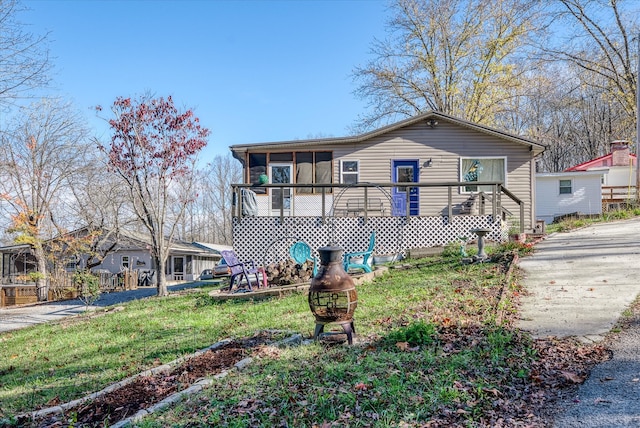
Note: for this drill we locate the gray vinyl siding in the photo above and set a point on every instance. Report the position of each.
(445, 145)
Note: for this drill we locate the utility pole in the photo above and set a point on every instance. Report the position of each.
(638, 125)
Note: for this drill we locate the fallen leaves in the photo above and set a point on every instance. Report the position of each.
(404, 346)
(572, 377)
(361, 386)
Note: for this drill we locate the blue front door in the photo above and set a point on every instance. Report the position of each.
(405, 171)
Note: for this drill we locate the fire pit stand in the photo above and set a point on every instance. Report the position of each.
(332, 294)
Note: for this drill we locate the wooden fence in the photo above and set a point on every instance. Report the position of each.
(61, 287)
(617, 197)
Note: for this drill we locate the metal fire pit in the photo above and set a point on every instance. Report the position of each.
(332, 293)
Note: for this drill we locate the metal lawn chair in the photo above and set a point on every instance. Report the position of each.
(301, 253)
(365, 256)
(242, 271)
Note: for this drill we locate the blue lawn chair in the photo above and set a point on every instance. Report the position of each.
(367, 257)
(301, 253)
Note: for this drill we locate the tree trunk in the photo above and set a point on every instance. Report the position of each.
(42, 290)
(162, 278)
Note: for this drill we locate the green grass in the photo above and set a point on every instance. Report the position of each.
(435, 345)
(575, 223)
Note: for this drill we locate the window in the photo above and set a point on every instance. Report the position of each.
(257, 167)
(566, 187)
(124, 262)
(309, 168)
(404, 174)
(281, 157)
(349, 171)
(482, 169)
(71, 264)
(313, 168)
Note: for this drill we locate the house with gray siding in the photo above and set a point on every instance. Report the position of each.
(405, 166)
(125, 251)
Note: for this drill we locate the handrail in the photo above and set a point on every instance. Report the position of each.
(517, 200)
(497, 190)
(610, 193)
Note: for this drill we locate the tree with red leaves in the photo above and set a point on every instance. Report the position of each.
(153, 149)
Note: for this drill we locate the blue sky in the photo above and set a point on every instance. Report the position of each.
(253, 71)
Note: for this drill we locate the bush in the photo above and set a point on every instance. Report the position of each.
(88, 286)
(415, 334)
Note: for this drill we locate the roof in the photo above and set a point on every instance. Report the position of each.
(597, 162)
(136, 240)
(214, 247)
(536, 147)
(133, 241)
(15, 248)
(594, 172)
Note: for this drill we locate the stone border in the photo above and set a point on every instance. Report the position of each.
(198, 386)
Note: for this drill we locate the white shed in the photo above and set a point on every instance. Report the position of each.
(561, 193)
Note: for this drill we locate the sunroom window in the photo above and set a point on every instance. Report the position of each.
(257, 167)
(313, 168)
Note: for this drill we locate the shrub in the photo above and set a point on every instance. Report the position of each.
(88, 286)
(417, 333)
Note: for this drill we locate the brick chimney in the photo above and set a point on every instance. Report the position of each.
(620, 153)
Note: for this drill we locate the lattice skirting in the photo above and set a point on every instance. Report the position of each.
(267, 239)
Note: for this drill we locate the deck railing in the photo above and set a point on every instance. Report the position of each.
(618, 193)
(375, 199)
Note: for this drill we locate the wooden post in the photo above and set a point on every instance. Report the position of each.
(366, 203)
(408, 203)
(450, 203)
(282, 205)
(324, 219)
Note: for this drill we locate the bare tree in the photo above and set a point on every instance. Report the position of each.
(589, 65)
(221, 173)
(104, 210)
(596, 36)
(39, 155)
(208, 214)
(458, 57)
(24, 58)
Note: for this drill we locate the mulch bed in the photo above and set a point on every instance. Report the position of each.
(146, 391)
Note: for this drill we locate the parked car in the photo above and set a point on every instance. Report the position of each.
(207, 274)
(221, 269)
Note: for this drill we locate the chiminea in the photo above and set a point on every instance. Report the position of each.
(332, 293)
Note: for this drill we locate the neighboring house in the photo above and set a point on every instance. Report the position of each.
(428, 149)
(16, 260)
(619, 163)
(563, 193)
(131, 252)
(619, 178)
(185, 263)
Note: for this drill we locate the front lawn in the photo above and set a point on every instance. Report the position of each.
(435, 345)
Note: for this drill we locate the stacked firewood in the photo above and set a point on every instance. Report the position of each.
(289, 272)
